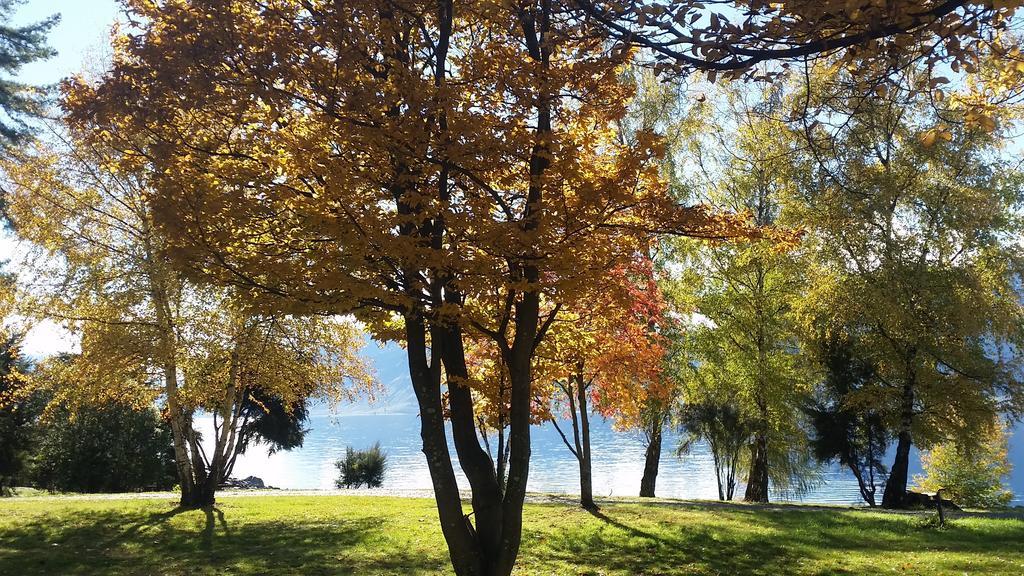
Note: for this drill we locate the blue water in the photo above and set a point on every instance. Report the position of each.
(618, 456)
(618, 461)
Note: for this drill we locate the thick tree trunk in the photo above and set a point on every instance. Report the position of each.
(895, 494)
(757, 480)
(458, 532)
(896, 485)
(475, 462)
(520, 357)
(653, 458)
(181, 430)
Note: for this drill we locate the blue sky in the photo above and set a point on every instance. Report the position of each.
(81, 36)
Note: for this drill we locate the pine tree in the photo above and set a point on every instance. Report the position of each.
(20, 45)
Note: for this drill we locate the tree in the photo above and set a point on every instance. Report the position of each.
(20, 45)
(909, 207)
(266, 419)
(444, 203)
(843, 431)
(607, 356)
(360, 467)
(147, 332)
(971, 476)
(17, 411)
(737, 39)
(723, 427)
(112, 448)
(744, 345)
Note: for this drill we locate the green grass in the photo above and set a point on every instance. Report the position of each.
(318, 535)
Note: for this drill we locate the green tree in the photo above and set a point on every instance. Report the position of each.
(20, 45)
(723, 427)
(744, 346)
(17, 412)
(112, 448)
(911, 210)
(970, 475)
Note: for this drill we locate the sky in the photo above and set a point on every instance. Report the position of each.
(82, 35)
(80, 38)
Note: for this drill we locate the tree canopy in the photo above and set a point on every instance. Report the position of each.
(461, 177)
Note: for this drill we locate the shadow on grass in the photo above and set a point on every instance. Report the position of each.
(196, 541)
(641, 539)
(323, 536)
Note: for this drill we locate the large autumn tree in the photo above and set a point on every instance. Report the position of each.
(912, 207)
(147, 333)
(400, 160)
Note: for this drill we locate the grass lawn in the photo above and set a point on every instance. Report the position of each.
(317, 535)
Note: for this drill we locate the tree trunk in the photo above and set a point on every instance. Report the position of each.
(896, 485)
(181, 431)
(757, 481)
(895, 494)
(718, 473)
(458, 532)
(866, 492)
(730, 477)
(586, 476)
(520, 357)
(473, 459)
(653, 458)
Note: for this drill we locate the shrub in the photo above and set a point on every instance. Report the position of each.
(110, 449)
(971, 476)
(360, 467)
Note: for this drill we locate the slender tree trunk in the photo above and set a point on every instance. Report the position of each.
(866, 492)
(757, 481)
(179, 434)
(895, 494)
(718, 480)
(730, 482)
(653, 458)
(586, 464)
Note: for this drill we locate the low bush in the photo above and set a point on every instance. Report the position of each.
(362, 467)
(970, 475)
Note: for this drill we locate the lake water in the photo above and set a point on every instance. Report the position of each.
(618, 462)
(618, 456)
